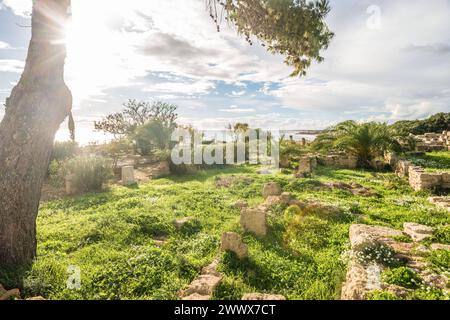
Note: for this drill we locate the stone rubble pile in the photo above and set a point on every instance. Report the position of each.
(443, 202)
(418, 178)
(13, 294)
(433, 141)
(232, 241)
(365, 276)
(263, 296)
(203, 287)
(231, 180)
(354, 188)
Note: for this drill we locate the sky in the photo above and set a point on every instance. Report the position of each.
(389, 61)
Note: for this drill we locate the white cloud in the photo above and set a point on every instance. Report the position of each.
(19, 7)
(399, 71)
(238, 110)
(184, 88)
(4, 45)
(238, 93)
(10, 65)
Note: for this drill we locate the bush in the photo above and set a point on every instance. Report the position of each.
(379, 253)
(402, 276)
(381, 295)
(88, 174)
(440, 260)
(117, 148)
(442, 235)
(64, 150)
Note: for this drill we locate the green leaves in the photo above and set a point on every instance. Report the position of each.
(293, 28)
(364, 140)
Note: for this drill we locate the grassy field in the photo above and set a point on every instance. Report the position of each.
(113, 236)
(433, 161)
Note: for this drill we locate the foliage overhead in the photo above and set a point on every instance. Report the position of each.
(295, 29)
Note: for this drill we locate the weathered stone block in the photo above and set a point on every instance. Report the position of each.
(263, 296)
(363, 236)
(70, 186)
(402, 168)
(161, 170)
(128, 175)
(271, 189)
(241, 204)
(204, 285)
(254, 221)
(232, 241)
(417, 231)
(304, 166)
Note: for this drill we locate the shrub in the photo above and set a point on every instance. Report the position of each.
(402, 276)
(307, 232)
(442, 235)
(64, 150)
(366, 141)
(153, 136)
(381, 295)
(117, 148)
(428, 294)
(440, 260)
(88, 174)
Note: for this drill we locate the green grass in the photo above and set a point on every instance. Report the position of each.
(433, 161)
(111, 236)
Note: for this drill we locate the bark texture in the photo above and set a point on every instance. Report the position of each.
(37, 106)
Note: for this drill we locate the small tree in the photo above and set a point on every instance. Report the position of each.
(366, 141)
(117, 148)
(153, 136)
(136, 114)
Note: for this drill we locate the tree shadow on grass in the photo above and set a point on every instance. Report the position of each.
(13, 277)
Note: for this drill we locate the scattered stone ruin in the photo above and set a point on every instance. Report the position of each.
(14, 294)
(232, 241)
(254, 220)
(339, 160)
(306, 165)
(263, 296)
(309, 163)
(203, 287)
(433, 141)
(128, 175)
(443, 202)
(418, 178)
(365, 276)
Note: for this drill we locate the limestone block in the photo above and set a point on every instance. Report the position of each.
(254, 220)
(417, 231)
(271, 189)
(232, 241)
(263, 296)
(128, 175)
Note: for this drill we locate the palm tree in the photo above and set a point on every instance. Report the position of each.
(366, 141)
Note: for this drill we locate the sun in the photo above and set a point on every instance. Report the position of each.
(94, 47)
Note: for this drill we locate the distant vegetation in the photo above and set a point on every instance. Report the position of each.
(436, 123)
(366, 141)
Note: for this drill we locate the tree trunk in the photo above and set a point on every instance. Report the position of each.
(37, 106)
